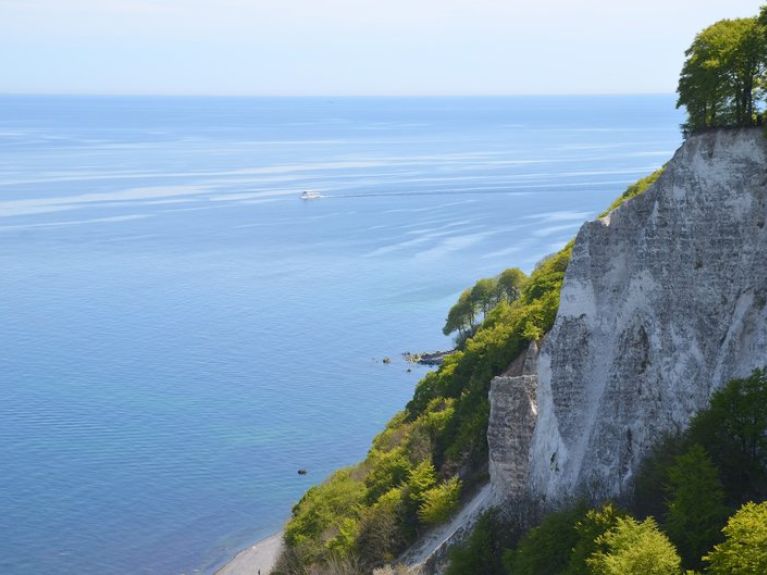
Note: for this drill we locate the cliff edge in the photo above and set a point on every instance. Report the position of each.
(664, 301)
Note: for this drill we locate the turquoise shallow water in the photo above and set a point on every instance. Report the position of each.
(181, 333)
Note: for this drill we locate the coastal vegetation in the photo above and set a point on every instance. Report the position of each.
(723, 78)
(694, 507)
(431, 455)
(434, 451)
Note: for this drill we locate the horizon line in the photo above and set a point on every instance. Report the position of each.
(328, 96)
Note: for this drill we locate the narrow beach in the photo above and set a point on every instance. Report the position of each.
(259, 558)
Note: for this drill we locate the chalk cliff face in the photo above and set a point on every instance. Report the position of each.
(664, 300)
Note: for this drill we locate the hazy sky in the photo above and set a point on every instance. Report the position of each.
(340, 47)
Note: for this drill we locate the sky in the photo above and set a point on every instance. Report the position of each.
(350, 47)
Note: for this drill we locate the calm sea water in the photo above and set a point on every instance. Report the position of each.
(180, 333)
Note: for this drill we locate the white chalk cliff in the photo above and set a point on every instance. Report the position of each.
(664, 300)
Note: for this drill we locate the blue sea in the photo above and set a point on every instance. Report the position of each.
(181, 333)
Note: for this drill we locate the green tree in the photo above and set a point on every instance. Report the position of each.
(547, 547)
(651, 482)
(326, 515)
(388, 469)
(510, 284)
(481, 552)
(461, 317)
(440, 502)
(703, 86)
(484, 294)
(634, 548)
(695, 506)
(744, 550)
(422, 478)
(381, 535)
(721, 74)
(748, 64)
(734, 431)
(589, 529)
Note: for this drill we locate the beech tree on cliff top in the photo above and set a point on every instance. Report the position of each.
(724, 74)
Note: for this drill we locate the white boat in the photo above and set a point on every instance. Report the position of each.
(310, 195)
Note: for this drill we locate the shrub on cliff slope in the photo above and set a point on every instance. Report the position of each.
(321, 520)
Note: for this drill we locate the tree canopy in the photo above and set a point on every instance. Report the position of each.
(695, 506)
(744, 551)
(479, 300)
(734, 431)
(634, 548)
(723, 74)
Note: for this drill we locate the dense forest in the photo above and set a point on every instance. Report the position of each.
(694, 501)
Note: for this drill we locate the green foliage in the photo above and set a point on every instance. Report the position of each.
(548, 547)
(325, 517)
(476, 302)
(651, 482)
(734, 432)
(387, 468)
(461, 316)
(594, 525)
(562, 543)
(510, 284)
(744, 551)
(343, 542)
(635, 189)
(634, 548)
(484, 294)
(696, 510)
(422, 479)
(465, 376)
(482, 551)
(721, 75)
(438, 415)
(440, 502)
(381, 536)
(680, 482)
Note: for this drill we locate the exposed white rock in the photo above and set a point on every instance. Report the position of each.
(512, 422)
(663, 302)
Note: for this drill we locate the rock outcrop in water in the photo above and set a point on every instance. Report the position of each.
(664, 300)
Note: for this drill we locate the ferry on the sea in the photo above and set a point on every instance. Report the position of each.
(310, 195)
